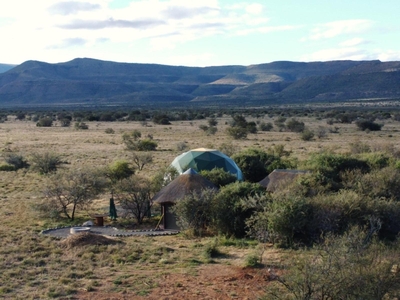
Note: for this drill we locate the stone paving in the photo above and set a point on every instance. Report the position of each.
(64, 232)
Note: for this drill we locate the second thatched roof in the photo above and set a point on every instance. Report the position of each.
(279, 178)
(185, 184)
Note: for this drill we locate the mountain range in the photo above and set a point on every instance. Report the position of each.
(85, 81)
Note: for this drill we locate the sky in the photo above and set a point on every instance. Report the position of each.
(199, 33)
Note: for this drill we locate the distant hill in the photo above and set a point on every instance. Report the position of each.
(95, 82)
(4, 67)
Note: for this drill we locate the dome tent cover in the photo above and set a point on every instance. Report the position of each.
(206, 159)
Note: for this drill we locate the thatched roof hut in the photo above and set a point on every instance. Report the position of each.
(185, 184)
(279, 178)
(181, 186)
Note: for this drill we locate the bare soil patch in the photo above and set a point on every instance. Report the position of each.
(209, 282)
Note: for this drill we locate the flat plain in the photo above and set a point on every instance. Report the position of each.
(173, 267)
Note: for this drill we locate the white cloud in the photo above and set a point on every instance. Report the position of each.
(254, 8)
(336, 28)
(267, 29)
(349, 53)
(354, 42)
(202, 59)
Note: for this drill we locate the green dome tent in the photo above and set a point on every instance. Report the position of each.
(206, 159)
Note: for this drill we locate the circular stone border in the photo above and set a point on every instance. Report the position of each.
(65, 231)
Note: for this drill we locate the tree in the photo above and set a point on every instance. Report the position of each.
(46, 162)
(132, 142)
(141, 159)
(73, 189)
(134, 195)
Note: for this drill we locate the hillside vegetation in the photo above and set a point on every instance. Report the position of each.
(85, 81)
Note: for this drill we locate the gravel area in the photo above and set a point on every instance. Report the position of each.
(64, 232)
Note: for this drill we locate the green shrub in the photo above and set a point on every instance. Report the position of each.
(45, 122)
(109, 131)
(46, 162)
(16, 160)
(81, 126)
(368, 125)
(294, 125)
(218, 176)
(256, 164)
(342, 268)
(7, 168)
(307, 135)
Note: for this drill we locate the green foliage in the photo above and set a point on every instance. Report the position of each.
(132, 142)
(218, 176)
(237, 133)
(16, 160)
(109, 131)
(118, 170)
(46, 162)
(327, 167)
(265, 126)
(345, 267)
(194, 211)
(161, 119)
(288, 218)
(240, 127)
(256, 164)
(45, 122)
(294, 125)
(146, 145)
(307, 135)
(81, 126)
(368, 125)
(7, 168)
(229, 212)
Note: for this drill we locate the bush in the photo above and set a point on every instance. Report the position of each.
(342, 268)
(256, 164)
(218, 176)
(46, 162)
(16, 160)
(7, 168)
(81, 126)
(265, 126)
(368, 125)
(45, 122)
(288, 218)
(146, 145)
(307, 135)
(194, 211)
(229, 212)
(294, 125)
(109, 131)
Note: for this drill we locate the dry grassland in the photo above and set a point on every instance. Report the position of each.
(38, 267)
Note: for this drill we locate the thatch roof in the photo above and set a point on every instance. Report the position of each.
(182, 186)
(280, 178)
